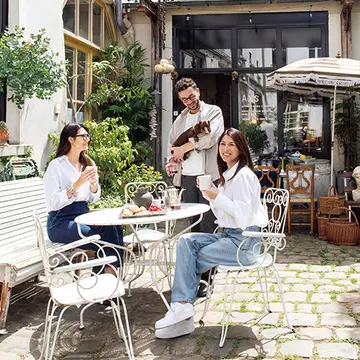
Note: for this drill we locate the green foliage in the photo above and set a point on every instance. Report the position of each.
(347, 126)
(114, 155)
(111, 150)
(144, 152)
(255, 137)
(28, 66)
(120, 90)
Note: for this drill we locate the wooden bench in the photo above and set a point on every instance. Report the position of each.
(20, 258)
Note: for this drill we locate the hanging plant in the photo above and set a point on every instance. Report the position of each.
(28, 66)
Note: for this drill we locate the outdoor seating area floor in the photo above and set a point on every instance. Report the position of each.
(322, 292)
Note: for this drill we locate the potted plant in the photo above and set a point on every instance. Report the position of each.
(347, 127)
(28, 66)
(255, 137)
(4, 133)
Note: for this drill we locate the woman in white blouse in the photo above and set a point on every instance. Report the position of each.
(71, 181)
(237, 205)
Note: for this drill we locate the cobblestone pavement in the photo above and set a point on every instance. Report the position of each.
(321, 284)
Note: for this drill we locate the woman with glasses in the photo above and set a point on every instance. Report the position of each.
(71, 181)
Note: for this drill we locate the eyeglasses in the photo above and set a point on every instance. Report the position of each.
(192, 97)
(86, 137)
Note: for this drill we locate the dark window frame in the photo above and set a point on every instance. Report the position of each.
(277, 21)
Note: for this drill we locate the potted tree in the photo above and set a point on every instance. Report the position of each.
(28, 66)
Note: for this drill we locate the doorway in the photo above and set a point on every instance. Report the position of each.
(215, 89)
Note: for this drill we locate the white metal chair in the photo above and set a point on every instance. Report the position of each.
(76, 283)
(272, 239)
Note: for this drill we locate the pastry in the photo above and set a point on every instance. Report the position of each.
(134, 208)
(142, 213)
(127, 212)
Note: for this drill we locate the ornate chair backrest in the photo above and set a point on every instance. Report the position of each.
(300, 181)
(278, 201)
(154, 187)
(268, 177)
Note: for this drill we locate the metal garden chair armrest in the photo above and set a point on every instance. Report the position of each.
(262, 234)
(74, 245)
(86, 264)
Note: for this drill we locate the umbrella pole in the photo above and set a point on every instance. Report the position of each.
(332, 139)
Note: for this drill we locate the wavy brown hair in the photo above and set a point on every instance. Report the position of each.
(70, 130)
(244, 156)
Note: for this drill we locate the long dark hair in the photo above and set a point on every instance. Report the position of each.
(70, 130)
(244, 156)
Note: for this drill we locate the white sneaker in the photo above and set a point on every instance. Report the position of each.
(184, 327)
(177, 312)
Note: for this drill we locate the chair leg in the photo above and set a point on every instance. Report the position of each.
(209, 291)
(264, 292)
(46, 327)
(227, 314)
(82, 315)
(312, 207)
(278, 280)
(56, 332)
(289, 219)
(120, 328)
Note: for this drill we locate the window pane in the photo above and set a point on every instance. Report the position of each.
(205, 48)
(80, 116)
(81, 76)
(69, 15)
(84, 22)
(258, 105)
(256, 47)
(70, 61)
(301, 43)
(303, 125)
(97, 24)
(107, 36)
(69, 114)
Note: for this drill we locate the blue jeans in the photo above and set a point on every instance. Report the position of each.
(198, 252)
(62, 228)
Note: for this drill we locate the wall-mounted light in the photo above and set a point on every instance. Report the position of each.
(188, 15)
(157, 96)
(250, 17)
(311, 11)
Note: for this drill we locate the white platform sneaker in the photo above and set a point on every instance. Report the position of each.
(184, 327)
(177, 313)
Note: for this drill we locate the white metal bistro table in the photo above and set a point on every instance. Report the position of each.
(160, 252)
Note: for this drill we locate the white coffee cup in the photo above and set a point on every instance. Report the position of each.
(156, 202)
(204, 182)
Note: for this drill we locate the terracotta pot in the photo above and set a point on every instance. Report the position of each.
(4, 136)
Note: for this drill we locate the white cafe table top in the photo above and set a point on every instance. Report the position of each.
(110, 217)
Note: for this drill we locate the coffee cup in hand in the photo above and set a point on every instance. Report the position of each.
(204, 182)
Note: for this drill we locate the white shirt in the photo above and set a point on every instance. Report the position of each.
(195, 164)
(238, 205)
(58, 177)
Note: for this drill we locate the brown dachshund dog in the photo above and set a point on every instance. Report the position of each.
(201, 127)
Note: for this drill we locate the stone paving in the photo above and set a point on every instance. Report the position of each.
(322, 293)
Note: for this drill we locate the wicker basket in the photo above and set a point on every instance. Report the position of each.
(330, 202)
(342, 232)
(322, 220)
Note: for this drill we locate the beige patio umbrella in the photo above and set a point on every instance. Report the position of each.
(329, 77)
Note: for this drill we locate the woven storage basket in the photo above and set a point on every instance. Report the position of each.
(342, 232)
(322, 220)
(330, 202)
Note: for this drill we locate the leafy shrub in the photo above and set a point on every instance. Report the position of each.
(28, 66)
(114, 155)
(256, 138)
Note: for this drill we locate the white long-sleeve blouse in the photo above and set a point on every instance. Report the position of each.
(58, 177)
(238, 205)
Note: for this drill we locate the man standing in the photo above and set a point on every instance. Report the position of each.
(202, 157)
